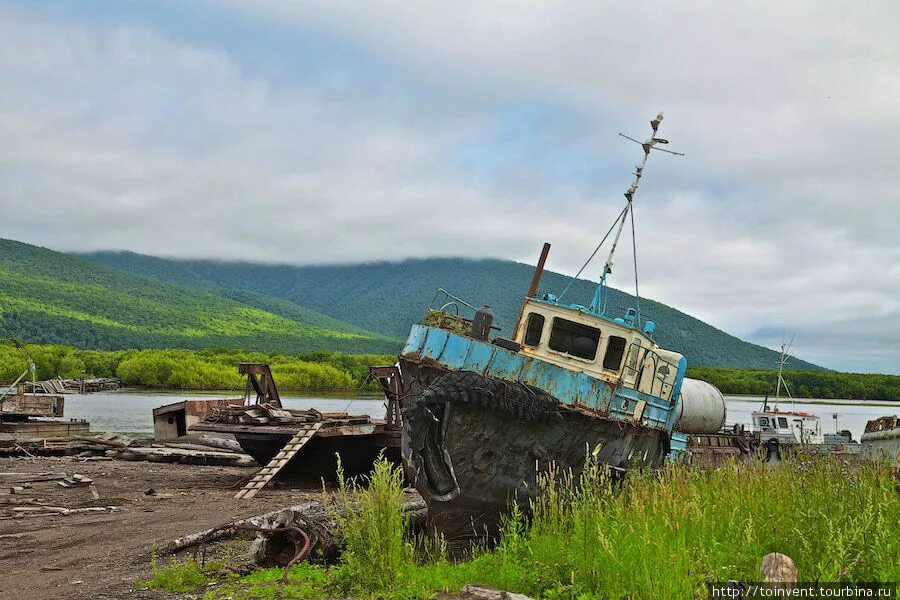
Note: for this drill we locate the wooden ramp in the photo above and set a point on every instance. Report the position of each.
(279, 461)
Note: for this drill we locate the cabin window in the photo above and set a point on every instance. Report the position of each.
(782, 422)
(574, 338)
(534, 329)
(615, 350)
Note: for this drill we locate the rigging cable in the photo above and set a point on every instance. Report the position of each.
(593, 254)
(637, 293)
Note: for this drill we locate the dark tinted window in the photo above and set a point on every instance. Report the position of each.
(615, 350)
(574, 338)
(534, 330)
(782, 422)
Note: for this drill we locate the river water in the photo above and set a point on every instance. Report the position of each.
(127, 411)
(131, 412)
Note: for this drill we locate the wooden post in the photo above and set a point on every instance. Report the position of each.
(779, 570)
(532, 289)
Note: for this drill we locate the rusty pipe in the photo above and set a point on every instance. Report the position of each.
(532, 289)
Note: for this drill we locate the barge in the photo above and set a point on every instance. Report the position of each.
(263, 428)
(28, 415)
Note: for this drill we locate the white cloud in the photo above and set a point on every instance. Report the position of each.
(783, 215)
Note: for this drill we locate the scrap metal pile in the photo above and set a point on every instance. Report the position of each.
(268, 414)
(72, 386)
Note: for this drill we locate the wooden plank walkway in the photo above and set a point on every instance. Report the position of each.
(279, 461)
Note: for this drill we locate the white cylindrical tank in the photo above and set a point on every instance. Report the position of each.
(702, 408)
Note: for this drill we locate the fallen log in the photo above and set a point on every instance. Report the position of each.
(218, 442)
(116, 442)
(281, 534)
(30, 477)
(188, 457)
(55, 511)
(223, 531)
(198, 446)
(483, 592)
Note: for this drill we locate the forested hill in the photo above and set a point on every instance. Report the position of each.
(50, 297)
(388, 297)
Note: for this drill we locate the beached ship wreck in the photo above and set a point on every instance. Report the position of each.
(275, 435)
(482, 417)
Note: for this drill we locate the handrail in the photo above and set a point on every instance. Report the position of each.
(448, 295)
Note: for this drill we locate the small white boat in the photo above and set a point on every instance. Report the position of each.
(786, 426)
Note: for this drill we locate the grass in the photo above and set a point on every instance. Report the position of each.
(180, 577)
(660, 534)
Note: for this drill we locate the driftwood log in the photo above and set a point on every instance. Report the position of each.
(188, 457)
(483, 592)
(189, 446)
(219, 442)
(281, 535)
(118, 441)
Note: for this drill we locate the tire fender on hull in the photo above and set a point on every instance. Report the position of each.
(471, 444)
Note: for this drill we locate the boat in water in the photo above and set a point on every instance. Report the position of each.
(482, 416)
(788, 427)
(794, 428)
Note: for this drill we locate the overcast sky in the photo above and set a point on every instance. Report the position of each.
(347, 131)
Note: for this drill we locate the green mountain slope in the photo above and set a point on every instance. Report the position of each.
(388, 297)
(50, 297)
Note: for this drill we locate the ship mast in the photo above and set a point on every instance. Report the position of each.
(601, 294)
(782, 359)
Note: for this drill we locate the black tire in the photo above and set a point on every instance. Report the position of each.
(523, 401)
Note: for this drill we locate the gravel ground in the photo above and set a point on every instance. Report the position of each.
(101, 555)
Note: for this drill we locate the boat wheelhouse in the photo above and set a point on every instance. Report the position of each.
(614, 350)
(788, 427)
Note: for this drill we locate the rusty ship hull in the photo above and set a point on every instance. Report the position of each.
(474, 445)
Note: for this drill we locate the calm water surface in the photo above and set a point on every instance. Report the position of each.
(132, 412)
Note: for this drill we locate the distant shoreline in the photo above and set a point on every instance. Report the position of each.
(827, 401)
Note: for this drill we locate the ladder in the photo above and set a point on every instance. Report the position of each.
(279, 461)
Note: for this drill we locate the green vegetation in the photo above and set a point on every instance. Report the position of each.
(184, 576)
(214, 369)
(49, 297)
(388, 297)
(661, 534)
(802, 384)
(377, 555)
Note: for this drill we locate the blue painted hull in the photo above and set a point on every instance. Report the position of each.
(472, 449)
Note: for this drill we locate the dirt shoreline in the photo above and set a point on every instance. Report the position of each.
(102, 554)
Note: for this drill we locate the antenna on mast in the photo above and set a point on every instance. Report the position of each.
(601, 294)
(782, 360)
